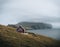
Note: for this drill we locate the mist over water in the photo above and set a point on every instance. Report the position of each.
(14, 11)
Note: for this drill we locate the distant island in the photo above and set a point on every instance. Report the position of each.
(32, 25)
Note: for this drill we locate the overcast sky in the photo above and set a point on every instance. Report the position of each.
(14, 11)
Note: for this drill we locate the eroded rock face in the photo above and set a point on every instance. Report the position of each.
(33, 25)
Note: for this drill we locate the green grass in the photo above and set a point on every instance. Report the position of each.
(10, 38)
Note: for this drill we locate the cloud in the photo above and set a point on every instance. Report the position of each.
(14, 11)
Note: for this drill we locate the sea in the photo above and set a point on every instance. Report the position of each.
(53, 33)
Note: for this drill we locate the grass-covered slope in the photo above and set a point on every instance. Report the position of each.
(10, 38)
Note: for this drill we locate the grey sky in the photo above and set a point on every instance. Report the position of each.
(14, 11)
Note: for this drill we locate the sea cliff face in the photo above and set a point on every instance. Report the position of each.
(32, 25)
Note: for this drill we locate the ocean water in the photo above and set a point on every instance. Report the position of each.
(53, 33)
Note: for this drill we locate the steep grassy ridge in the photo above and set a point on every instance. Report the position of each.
(10, 38)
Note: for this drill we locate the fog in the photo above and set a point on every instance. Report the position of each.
(14, 11)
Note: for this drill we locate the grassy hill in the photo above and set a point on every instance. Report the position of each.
(10, 38)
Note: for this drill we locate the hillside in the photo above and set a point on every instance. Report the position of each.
(32, 25)
(10, 38)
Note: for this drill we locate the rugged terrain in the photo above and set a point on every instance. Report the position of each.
(10, 38)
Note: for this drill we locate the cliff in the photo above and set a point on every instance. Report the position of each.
(33, 25)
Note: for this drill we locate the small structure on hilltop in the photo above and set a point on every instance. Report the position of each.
(20, 29)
